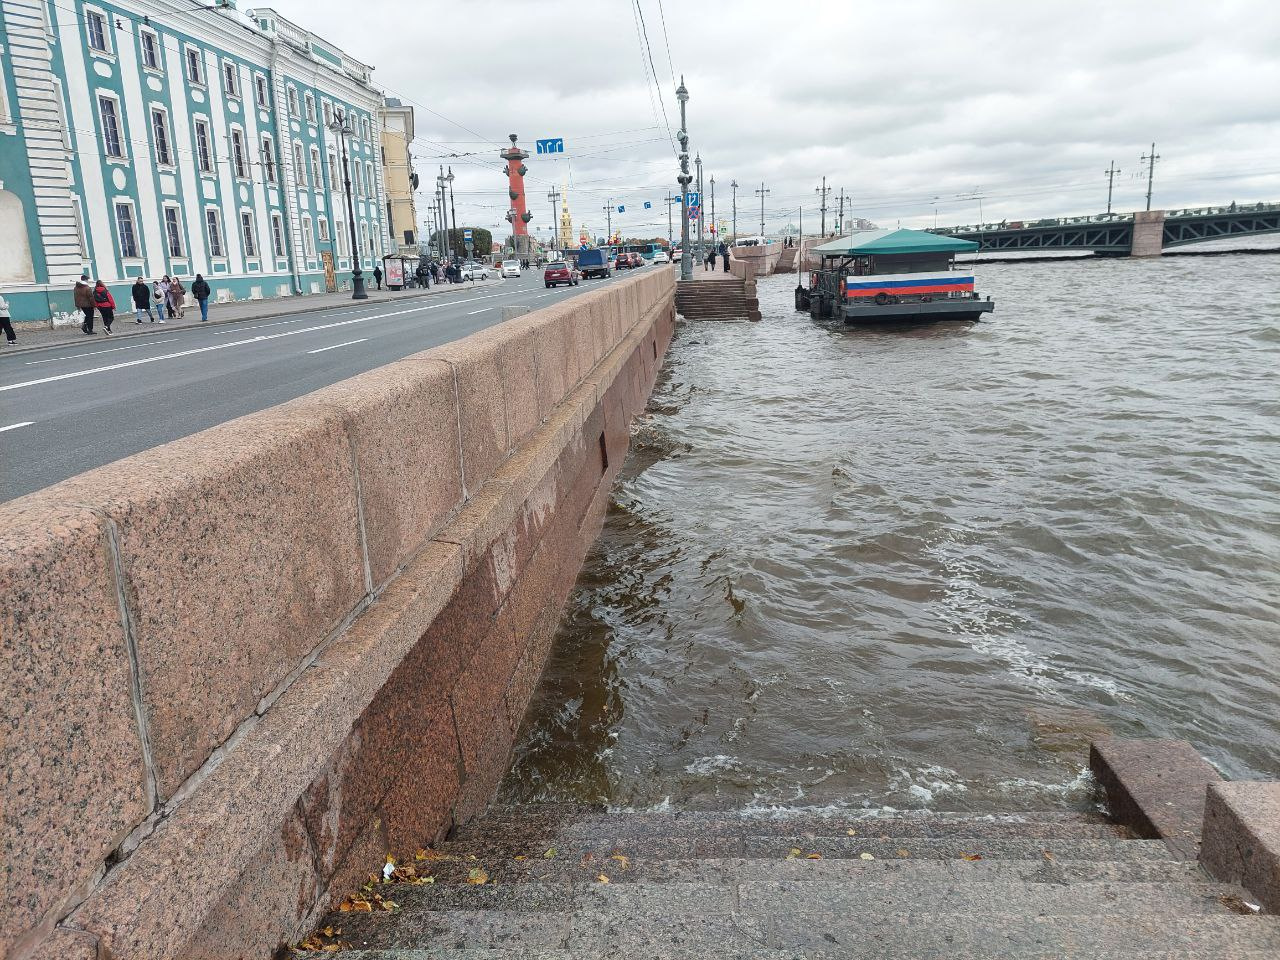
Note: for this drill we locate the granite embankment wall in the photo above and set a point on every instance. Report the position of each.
(242, 668)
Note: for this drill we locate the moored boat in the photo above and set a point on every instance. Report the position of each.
(877, 276)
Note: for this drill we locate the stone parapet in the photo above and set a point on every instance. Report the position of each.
(1148, 234)
(269, 654)
(1241, 842)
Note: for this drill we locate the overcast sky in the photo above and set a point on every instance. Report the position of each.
(1022, 103)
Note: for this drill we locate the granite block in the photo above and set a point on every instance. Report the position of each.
(417, 809)
(270, 905)
(363, 860)
(517, 360)
(403, 424)
(1154, 787)
(64, 944)
(240, 551)
(73, 781)
(1241, 841)
(482, 406)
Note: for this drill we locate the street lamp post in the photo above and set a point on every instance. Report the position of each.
(712, 181)
(734, 184)
(446, 243)
(698, 163)
(453, 214)
(686, 256)
(342, 130)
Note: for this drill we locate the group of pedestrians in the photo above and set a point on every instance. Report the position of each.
(166, 298)
(721, 251)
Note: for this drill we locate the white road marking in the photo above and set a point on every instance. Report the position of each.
(15, 426)
(261, 338)
(472, 313)
(337, 345)
(94, 353)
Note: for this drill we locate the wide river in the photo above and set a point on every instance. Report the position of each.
(920, 567)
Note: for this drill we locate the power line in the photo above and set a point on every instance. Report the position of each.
(656, 85)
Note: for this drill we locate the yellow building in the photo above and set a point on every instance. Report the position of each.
(398, 175)
(566, 221)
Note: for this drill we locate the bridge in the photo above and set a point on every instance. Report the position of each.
(1141, 234)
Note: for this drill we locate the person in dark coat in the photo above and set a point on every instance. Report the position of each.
(83, 295)
(724, 256)
(200, 290)
(105, 304)
(377, 275)
(141, 295)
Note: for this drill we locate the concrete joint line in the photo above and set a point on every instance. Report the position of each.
(457, 406)
(128, 625)
(360, 521)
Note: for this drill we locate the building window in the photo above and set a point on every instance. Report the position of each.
(340, 230)
(369, 180)
(231, 80)
(214, 227)
(126, 231)
(239, 162)
(317, 178)
(328, 113)
(311, 108)
(204, 147)
(150, 49)
(246, 231)
(96, 26)
(333, 172)
(308, 241)
(160, 131)
(365, 246)
(367, 135)
(277, 235)
(299, 169)
(323, 226)
(195, 67)
(260, 88)
(109, 110)
(173, 231)
(268, 160)
(293, 101)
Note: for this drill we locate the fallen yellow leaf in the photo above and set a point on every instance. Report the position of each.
(795, 852)
(389, 905)
(521, 857)
(904, 853)
(865, 856)
(477, 876)
(622, 859)
(1048, 855)
(971, 857)
(327, 931)
(362, 906)
(814, 856)
(420, 855)
(550, 853)
(851, 832)
(602, 878)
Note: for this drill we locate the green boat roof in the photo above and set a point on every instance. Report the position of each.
(893, 241)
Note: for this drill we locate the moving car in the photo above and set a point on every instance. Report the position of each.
(623, 262)
(594, 263)
(510, 268)
(558, 272)
(475, 271)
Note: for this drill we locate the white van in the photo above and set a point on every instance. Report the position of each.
(510, 268)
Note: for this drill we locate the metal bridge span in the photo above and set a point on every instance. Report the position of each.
(1139, 234)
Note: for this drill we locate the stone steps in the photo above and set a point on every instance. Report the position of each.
(717, 300)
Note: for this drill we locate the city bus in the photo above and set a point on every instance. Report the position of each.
(646, 250)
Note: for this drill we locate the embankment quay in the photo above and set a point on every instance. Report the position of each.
(463, 657)
(94, 400)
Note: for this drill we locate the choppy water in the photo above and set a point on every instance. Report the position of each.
(918, 567)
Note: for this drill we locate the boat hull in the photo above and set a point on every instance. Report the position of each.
(916, 311)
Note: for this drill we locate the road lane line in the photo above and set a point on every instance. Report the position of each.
(15, 426)
(472, 313)
(337, 345)
(261, 338)
(94, 353)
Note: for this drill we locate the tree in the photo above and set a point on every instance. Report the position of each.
(481, 240)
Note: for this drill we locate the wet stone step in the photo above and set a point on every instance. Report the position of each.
(778, 848)
(815, 933)
(565, 870)
(639, 825)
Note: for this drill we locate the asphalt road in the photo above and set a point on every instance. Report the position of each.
(71, 408)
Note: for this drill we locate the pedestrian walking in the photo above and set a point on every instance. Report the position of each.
(377, 275)
(724, 256)
(105, 304)
(83, 298)
(165, 303)
(710, 262)
(200, 290)
(157, 296)
(177, 298)
(6, 323)
(141, 296)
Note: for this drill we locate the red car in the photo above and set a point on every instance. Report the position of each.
(558, 272)
(623, 262)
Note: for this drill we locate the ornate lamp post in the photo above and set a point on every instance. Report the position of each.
(684, 179)
(342, 130)
(453, 214)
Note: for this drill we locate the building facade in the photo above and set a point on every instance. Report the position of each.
(145, 137)
(401, 180)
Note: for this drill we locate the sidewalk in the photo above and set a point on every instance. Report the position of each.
(235, 311)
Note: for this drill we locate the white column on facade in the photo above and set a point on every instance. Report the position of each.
(288, 175)
(257, 173)
(184, 133)
(30, 53)
(230, 209)
(142, 152)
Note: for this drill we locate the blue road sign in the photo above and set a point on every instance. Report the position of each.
(551, 145)
(621, 208)
(647, 204)
(466, 234)
(693, 199)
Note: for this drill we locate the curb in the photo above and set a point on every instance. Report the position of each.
(155, 329)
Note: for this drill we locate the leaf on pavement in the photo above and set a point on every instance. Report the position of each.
(971, 857)
(904, 853)
(622, 859)
(477, 876)
(795, 852)
(814, 856)
(852, 832)
(602, 878)
(865, 856)
(549, 854)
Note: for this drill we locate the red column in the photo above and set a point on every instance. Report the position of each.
(518, 215)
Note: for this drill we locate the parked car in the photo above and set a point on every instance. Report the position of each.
(475, 271)
(558, 272)
(510, 268)
(594, 263)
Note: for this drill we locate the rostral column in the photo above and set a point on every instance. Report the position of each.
(518, 216)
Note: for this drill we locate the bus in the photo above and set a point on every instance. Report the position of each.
(646, 250)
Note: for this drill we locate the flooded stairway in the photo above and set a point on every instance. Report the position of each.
(717, 296)
(572, 883)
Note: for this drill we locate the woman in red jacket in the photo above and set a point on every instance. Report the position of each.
(105, 303)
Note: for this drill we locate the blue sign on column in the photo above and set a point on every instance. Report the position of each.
(551, 145)
(466, 234)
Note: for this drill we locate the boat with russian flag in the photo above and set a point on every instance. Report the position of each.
(878, 276)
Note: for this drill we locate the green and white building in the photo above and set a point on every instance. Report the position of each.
(179, 137)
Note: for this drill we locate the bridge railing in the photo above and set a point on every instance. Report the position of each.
(1049, 222)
